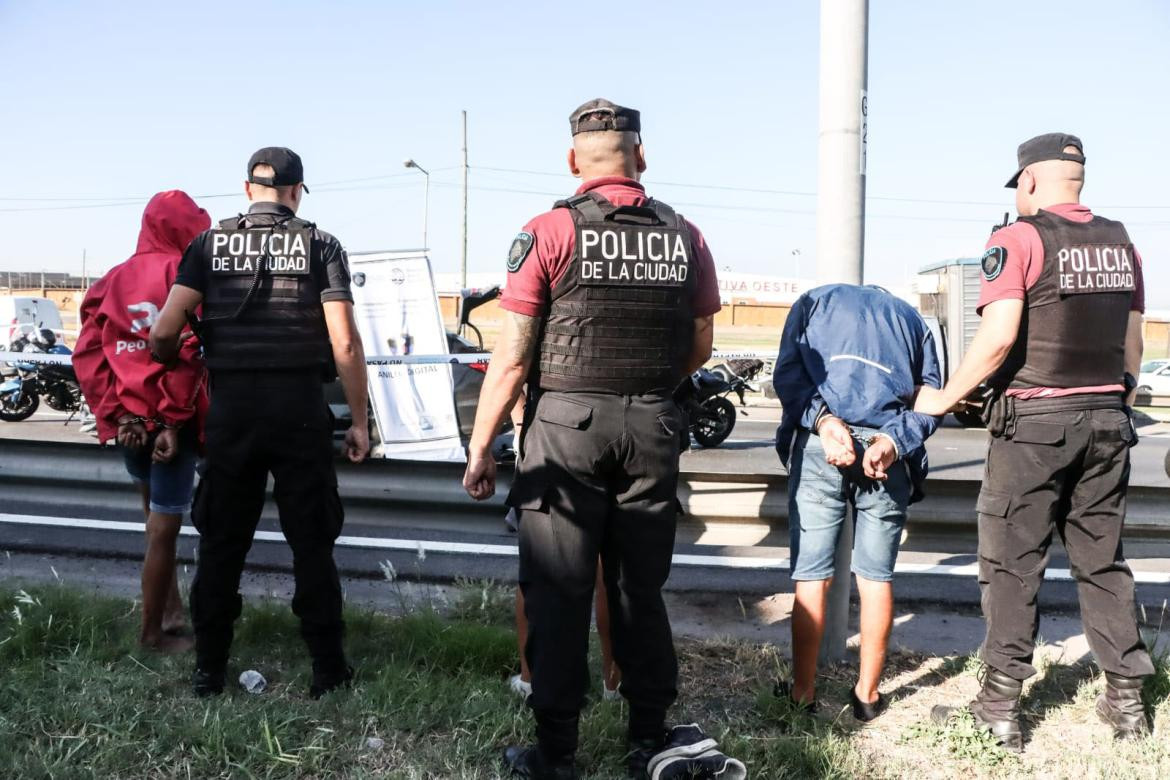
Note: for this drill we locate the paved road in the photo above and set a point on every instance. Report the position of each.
(955, 452)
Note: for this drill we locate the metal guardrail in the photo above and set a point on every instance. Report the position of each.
(708, 498)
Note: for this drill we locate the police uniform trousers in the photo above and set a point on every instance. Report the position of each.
(1065, 470)
(263, 423)
(598, 476)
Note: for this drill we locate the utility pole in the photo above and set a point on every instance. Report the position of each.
(841, 154)
(84, 278)
(463, 265)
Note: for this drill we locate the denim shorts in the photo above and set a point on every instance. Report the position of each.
(171, 484)
(819, 496)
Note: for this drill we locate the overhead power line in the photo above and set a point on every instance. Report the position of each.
(370, 183)
(113, 201)
(794, 193)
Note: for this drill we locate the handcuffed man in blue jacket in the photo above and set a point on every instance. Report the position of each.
(851, 360)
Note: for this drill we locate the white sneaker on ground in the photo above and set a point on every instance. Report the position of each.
(610, 694)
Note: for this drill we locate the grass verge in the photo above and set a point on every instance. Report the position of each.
(78, 699)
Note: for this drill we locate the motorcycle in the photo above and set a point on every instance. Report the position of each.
(57, 384)
(747, 369)
(710, 413)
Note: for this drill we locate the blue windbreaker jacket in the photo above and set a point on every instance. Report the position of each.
(858, 353)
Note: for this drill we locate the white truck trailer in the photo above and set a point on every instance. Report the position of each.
(947, 293)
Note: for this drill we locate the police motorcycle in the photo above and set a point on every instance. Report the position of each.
(710, 413)
(747, 369)
(21, 395)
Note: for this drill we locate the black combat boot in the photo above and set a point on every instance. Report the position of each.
(996, 709)
(640, 753)
(329, 676)
(1121, 707)
(207, 681)
(529, 762)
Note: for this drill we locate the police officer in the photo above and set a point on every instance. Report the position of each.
(277, 323)
(1061, 340)
(610, 300)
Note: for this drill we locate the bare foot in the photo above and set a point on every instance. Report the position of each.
(177, 628)
(175, 624)
(165, 643)
(612, 676)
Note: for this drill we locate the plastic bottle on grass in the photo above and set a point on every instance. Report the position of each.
(252, 681)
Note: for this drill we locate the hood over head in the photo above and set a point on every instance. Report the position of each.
(169, 222)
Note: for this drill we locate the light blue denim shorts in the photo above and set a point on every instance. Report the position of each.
(819, 496)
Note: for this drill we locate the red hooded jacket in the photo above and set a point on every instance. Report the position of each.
(112, 357)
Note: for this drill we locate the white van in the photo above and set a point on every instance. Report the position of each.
(20, 314)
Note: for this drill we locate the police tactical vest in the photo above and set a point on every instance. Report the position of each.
(262, 309)
(620, 319)
(1072, 333)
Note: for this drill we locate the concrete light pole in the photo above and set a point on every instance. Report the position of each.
(463, 263)
(408, 163)
(841, 214)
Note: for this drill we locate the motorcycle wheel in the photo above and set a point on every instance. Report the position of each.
(63, 398)
(712, 429)
(29, 403)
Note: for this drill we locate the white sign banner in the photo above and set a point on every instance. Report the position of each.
(398, 316)
(761, 288)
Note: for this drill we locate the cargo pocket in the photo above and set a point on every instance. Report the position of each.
(992, 503)
(528, 494)
(562, 411)
(1036, 432)
(994, 528)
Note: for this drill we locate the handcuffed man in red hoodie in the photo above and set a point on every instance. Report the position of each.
(154, 414)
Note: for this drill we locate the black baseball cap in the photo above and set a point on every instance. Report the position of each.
(601, 114)
(286, 167)
(1049, 146)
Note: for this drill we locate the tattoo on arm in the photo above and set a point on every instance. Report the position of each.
(527, 330)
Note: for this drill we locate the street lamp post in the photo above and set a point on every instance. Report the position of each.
(409, 163)
(844, 110)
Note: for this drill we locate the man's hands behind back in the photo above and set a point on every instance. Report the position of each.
(878, 458)
(837, 441)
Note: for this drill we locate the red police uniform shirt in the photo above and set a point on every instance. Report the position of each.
(1025, 258)
(528, 288)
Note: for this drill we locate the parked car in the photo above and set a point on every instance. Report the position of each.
(466, 378)
(1154, 379)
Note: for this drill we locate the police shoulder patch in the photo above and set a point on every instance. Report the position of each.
(993, 262)
(521, 246)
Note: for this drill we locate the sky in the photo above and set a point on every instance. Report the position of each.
(105, 103)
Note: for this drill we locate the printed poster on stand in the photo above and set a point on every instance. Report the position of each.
(398, 314)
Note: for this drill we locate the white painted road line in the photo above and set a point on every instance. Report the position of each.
(748, 562)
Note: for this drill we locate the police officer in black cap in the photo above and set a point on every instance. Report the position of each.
(610, 300)
(277, 324)
(1060, 342)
